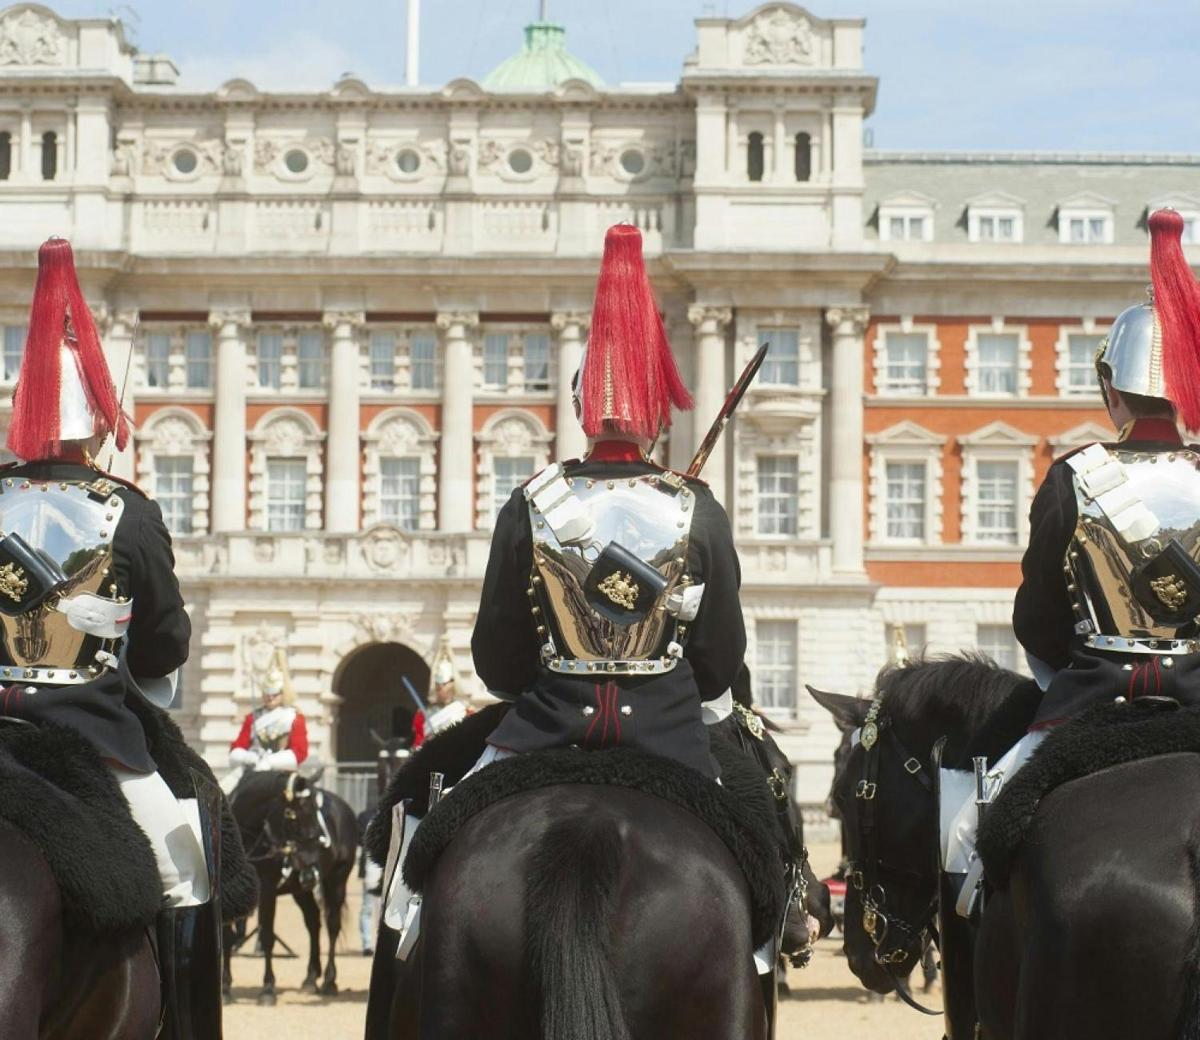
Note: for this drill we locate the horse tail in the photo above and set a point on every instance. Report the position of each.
(570, 893)
(1189, 1015)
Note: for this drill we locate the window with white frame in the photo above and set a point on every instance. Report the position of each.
(198, 359)
(775, 685)
(422, 363)
(537, 361)
(310, 355)
(781, 366)
(270, 360)
(778, 499)
(915, 639)
(994, 225)
(906, 363)
(495, 360)
(400, 492)
(997, 363)
(509, 472)
(998, 642)
(1191, 229)
(1085, 225)
(14, 350)
(905, 494)
(907, 217)
(906, 500)
(158, 360)
(907, 227)
(996, 505)
(382, 349)
(286, 491)
(1079, 364)
(173, 482)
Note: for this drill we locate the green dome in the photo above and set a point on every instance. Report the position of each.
(543, 63)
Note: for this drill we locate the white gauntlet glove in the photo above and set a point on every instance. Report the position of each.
(243, 757)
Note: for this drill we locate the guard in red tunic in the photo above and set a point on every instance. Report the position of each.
(274, 735)
(445, 709)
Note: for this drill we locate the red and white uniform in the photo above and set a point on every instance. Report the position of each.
(447, 715)
(271, 738)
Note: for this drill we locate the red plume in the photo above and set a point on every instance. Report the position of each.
(630, 379)
(1177, 305)
(58, 303)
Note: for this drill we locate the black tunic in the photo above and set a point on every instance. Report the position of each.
(663, 710)
(1044, 619)
(158, 635)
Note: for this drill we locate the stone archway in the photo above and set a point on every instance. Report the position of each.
(373, 697)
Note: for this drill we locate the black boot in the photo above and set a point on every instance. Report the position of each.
(189, 958)
(957, 948)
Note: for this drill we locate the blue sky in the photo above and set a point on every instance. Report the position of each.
(1067, 75)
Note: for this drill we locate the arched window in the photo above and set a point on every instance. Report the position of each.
(754, 156)
(803, 157)
(5, 155)
(49, 155)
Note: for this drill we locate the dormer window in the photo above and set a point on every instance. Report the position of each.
(1188, 207)
(906, 218)
(1086, 220)
(996, 217)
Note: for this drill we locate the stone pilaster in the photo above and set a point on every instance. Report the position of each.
(343, 490)
(117, 330)
(569, 439)
(846, 438)
(229, 428)
(456, 506)
(710, 389)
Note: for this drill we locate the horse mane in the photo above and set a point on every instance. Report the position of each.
(982, 707)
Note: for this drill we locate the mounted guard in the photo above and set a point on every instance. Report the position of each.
(274, 735)
(608, 619)
(92, 623)
(1109, 603)
(444, 706)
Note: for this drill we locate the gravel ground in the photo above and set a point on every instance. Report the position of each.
(826, 1002)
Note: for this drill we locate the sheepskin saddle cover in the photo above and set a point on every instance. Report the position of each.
(1106, 735)
(739, 809)
(56, 791)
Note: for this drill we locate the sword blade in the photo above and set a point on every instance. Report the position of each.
(732, 400)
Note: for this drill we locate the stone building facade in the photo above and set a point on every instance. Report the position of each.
(350, 319)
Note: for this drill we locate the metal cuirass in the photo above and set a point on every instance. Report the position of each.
(609, 570)
(71, 524)
(1133, 566)
(273, 727)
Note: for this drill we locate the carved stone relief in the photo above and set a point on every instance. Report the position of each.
(779, 38)
(29, 38)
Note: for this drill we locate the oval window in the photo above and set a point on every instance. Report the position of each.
(296, 160)
(185, 160)
(408, 161)
(520, 161)
(633, 162)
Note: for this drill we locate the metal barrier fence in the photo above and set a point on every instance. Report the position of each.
(355, 782)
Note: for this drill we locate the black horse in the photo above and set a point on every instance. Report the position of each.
(1096, 934)
(576, 912)
(280, 816)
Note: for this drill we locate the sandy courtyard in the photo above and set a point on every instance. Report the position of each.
(827, 1002)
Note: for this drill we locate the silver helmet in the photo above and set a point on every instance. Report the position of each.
(1132, 353)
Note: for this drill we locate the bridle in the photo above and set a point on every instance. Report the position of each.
(894, 939)
(285, 846)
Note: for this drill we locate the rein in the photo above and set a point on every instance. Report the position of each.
(873, 874)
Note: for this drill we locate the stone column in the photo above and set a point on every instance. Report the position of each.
(569, 439)
(26, 144)
(780, 169)
(734, 159)
(710, 389)
(342, 456)
(229, 432)
(846, 438)
(456, 486)
(117, 330)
